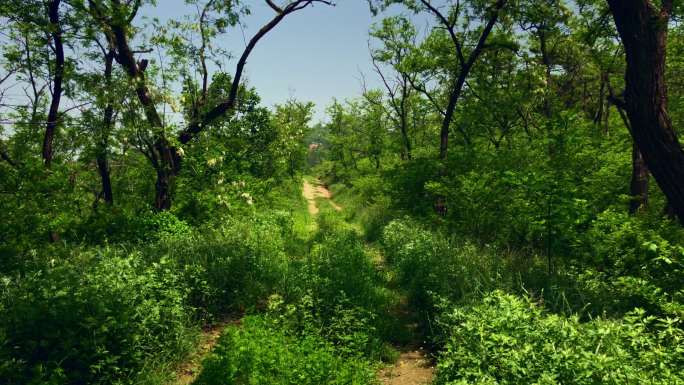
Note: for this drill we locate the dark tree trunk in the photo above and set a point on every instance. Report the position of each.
(599, 115)
(405, 137)
(466, 66)
(162, 197)
(4, 155)
(102, 151)
(643, 30)
(403, 113)
(103, 169)
(53, 14)
(639, 186)
(162, 154)
(449, 113)
(167, 165)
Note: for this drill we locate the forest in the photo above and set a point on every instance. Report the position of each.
(501, 202)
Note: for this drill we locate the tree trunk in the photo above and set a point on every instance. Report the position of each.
(466, 66)
(404, 134)
(643, 30)
(639, 185)
(162, 154)
(403, 115)
(102, 159)
(103, 169)
(102, 151)
(167, 166)
(162, 197)
(53, 13)
(449, 113)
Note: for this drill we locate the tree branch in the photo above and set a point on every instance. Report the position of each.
(421, 88)
(449, 27)
(227, 105)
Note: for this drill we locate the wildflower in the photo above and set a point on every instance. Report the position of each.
(248, 198)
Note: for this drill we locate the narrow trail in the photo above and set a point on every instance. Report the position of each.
(413, 366)
(317, 190)
(190, 369)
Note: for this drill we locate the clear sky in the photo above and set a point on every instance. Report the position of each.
(313, 55)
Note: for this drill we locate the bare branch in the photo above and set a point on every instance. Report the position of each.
(449, 27)
(423, 90)
(198, 125)
(274, 6)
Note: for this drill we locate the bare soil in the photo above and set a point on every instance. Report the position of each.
(317, 190)
(412, 368)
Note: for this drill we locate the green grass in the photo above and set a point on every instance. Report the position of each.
(259, 352)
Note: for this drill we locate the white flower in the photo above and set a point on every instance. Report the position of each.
(248, 198)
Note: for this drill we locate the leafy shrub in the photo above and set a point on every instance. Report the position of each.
(115, 225)
(336, 293)
(95, 320)
(352, 330)
(407, 183)
(258, 353)
(600, 293)
(340, 266)
(508, 340)
(329, 223)
(429, 264)
(163, 225)
(344, 294)
(620, 244)
(374, 218)
(230, 268)
(104, 315)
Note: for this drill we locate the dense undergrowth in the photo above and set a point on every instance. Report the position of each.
(536, 273)
(136, 303)
(497, 316)
(498, 202)
(328, 324)
(319, 303)
(259, 352)
(506, 339)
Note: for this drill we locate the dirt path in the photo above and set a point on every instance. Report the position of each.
(313, 191)
(189, 370)
(412, 368)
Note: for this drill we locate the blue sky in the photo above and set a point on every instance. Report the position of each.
(313, 55)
